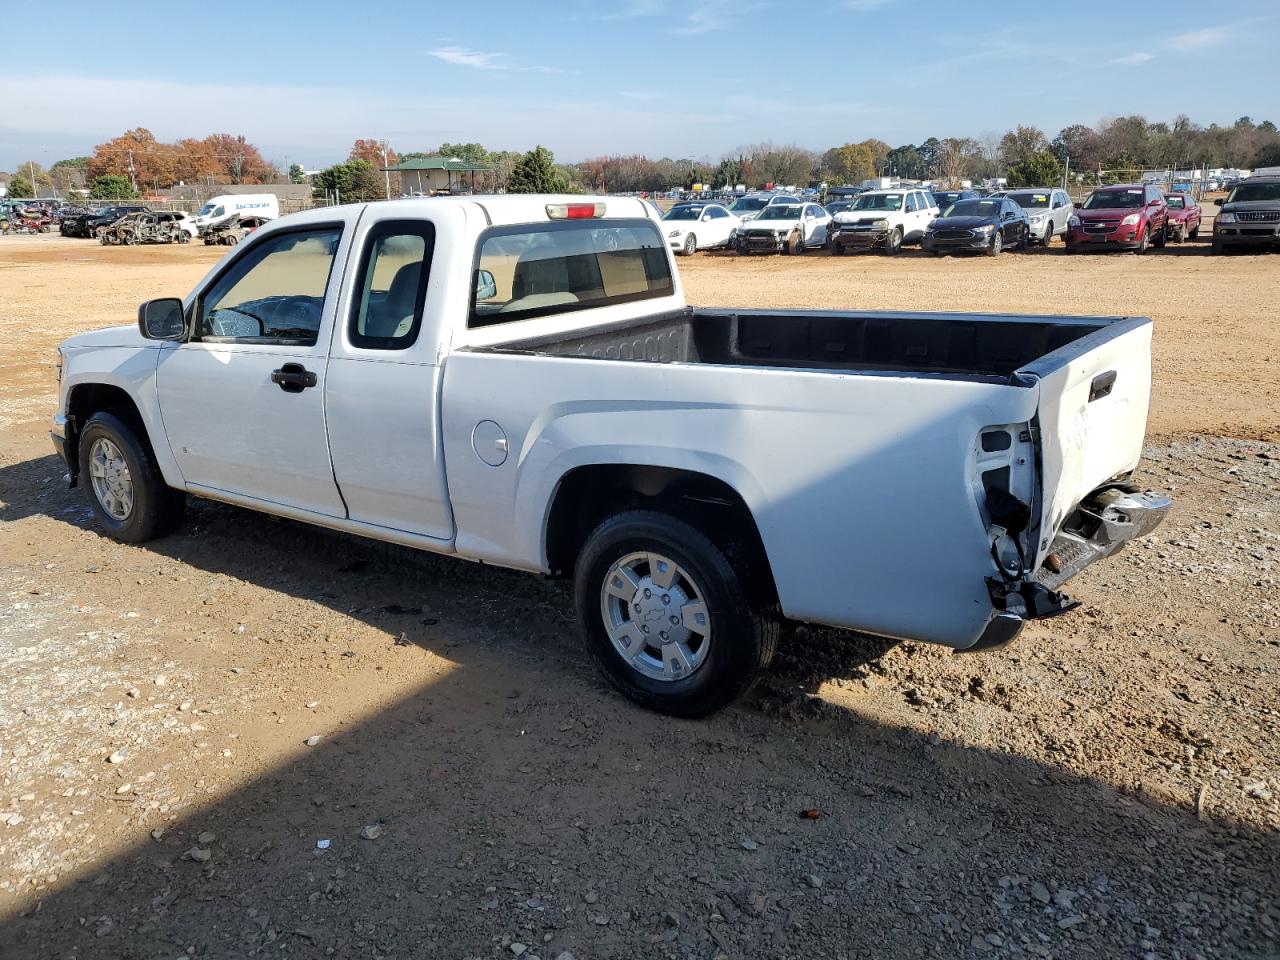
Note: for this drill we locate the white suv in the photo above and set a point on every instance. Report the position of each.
(883, 218)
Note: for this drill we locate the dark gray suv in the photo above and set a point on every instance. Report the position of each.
(1249, 217)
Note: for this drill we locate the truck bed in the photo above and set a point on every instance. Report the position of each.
(987, 346)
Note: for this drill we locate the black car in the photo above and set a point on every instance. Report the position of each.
(1249, 217)
(88, 224)
(946, 198)
(981, 225)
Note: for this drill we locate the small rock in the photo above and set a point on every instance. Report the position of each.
(205, 838)
(162, 681)
(566, 955)
(198, 854)
(124, 788)
(133, 693)
(670, 919)
(591, 896)
(118, 756)
(1071, 921)
(1040, 892)
(372, 831)
(750, 844)
(311, 705)
(157, 833)
(184, 706)
(518, 948)
(601, 921)
(813, 880)
(312, 741)
(1063, 899)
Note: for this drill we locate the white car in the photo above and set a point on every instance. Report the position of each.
(785, 228)
(887, 219)
(517, 380)
(690, 227)
(1048, 210)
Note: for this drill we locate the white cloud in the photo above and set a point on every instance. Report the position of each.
(704, 18)
(1135, 59)
(1202, 38)
(465, 57)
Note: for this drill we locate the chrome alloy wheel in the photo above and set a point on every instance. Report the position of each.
(109, 474)
(656, 616)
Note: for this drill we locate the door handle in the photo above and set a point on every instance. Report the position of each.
(1102, 385)
(293, 378)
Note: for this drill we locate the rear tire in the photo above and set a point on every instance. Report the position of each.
(738, 638)
(153, 507)
(690, 245)
(1159, 240)
(1195, 234)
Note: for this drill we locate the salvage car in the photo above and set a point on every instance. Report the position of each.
(1249, 216)
(1049, 211)
(784, 228)
(1128, 217)
(93, 224)
(884, 220)
(690, 227)
(1184, 217)
(987, 225)
(517, 380)
(748, 208)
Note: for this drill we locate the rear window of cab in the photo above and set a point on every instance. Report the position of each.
(534, 270)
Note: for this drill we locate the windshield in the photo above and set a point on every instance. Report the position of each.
(683, 213)
(945, 197)
(878, 201)
(782, 211)
(1030, 201)
(839, 207)
(1253, 192)
(1114, 200)
(748, 205)
(205, 210)
(973, 208)
(1176, 203)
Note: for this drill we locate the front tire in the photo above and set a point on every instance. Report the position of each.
(893, 242)
(667, 618)
(1159, 240)
(690, 245)
(126, 489)
(997, 244)
(1142, 242)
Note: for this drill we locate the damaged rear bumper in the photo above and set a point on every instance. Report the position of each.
(1107, 520)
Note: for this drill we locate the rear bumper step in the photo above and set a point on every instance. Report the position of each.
(1099, 527)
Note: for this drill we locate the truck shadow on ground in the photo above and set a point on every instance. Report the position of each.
(520, 800)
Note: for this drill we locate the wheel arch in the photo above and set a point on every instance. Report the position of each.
(86, 399)
(585, 495)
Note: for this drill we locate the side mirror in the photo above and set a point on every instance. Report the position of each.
(162, 319)
(486, 286)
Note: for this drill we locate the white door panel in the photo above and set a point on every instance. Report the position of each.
(231, 428)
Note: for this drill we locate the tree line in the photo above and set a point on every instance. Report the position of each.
(1114, 150)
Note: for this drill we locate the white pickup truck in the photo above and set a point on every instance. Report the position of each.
(518, 381)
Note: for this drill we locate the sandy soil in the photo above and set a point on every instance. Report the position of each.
(1107, 787)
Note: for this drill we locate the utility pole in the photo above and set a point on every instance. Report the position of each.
(385, 172)
(31, 168)
(133, 178)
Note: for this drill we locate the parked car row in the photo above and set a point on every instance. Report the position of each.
(1126, 216)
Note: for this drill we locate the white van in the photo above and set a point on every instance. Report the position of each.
(222, 208)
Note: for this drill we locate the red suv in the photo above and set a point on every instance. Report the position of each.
(1127, 217)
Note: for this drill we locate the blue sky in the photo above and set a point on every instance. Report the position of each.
(696, 78)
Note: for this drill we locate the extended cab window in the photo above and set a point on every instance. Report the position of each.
(393, 284)
(272, 294)
(532, 271)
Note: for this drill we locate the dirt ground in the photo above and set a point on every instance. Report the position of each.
(258, 739)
